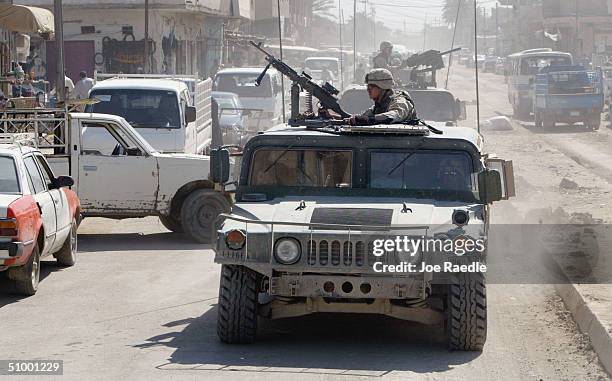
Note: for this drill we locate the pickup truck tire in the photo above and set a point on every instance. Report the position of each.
(467, 312)
(199, 213)
(66, 256)
(26, 278)
(237, 315)
(538, 119)
(548, 122)
(171, 224)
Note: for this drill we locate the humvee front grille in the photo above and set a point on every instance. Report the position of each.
(334, 253)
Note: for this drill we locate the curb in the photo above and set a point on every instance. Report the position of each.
(589, 323)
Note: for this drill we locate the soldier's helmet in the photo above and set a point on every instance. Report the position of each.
(385, 45)
(381, 78)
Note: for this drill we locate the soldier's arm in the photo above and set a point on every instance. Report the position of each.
(400, 110)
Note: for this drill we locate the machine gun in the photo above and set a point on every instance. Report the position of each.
(431, 61)
(325, 94)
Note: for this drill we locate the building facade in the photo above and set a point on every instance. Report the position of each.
(185, 36)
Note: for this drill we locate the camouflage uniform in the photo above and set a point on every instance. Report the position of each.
(394, 107)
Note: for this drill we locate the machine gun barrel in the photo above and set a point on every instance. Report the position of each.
(450, 51)
(323, 94)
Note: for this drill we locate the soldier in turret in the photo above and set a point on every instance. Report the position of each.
(390, 106)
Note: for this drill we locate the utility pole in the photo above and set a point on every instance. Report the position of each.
(374, 23)
(497, 49)
(60, 81)
(424, 32)
(576, 50)
(341, 17)
(146, 38)
(280, 45)
(354, 39)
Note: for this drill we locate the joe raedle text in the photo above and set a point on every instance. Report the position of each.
(445, 267)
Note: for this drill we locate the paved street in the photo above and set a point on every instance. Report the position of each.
(142, 301)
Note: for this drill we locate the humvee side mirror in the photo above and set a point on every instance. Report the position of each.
(462, 110)
(489, 186)
(219, 165)
(190, 114)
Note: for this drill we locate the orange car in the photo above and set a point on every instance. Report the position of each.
(39, 216)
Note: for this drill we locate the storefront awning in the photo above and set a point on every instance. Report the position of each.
(23, 19)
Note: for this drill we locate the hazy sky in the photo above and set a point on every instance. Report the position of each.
(414, 12)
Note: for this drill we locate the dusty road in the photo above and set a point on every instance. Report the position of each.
(141, 303)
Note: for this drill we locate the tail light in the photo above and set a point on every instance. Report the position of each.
(8, 227)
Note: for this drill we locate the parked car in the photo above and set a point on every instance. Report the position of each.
(500, 66)
(39, 215)
(232, 117)
(489, 64)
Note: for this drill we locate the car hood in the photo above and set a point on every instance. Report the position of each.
(352, 210)
(5, 201)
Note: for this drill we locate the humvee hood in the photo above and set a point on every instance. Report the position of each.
(345, 211)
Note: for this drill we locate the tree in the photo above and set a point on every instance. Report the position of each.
(324, 8)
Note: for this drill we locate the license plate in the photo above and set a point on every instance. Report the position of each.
(575, 113)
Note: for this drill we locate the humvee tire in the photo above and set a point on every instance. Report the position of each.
(237, 315)
(467, 312)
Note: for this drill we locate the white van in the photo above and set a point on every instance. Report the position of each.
(264, 101)
(315, 66)
(164, 111)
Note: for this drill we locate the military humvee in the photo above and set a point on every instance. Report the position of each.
(313, 204)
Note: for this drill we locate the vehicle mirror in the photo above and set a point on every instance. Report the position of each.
(63, 181)
(190, 114)
(219, 165)
(462, 112)
(133, 151)
(489, 186)
(246, 112)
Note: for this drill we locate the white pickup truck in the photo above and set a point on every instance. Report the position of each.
(129, 179)
(171, 113)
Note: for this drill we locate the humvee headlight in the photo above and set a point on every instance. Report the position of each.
(287, 251)
(235, 239)
(460, 217)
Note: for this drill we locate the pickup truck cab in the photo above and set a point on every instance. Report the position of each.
(129, 178)
(164, 111)
(39, 216)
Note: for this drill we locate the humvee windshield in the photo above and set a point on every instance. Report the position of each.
(423, 170)
(302, 168)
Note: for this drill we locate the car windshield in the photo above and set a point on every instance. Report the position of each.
(8, 176)
(302, 168)
(243, 84)
(436, 106)
(322, 64)
(531, 65)
(421, 171)
(141, 108)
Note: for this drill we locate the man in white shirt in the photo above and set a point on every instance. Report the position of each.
(82, 87)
